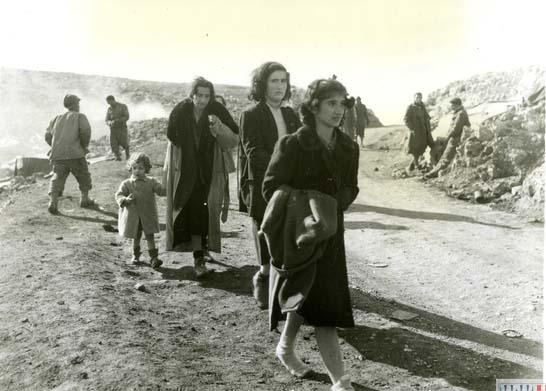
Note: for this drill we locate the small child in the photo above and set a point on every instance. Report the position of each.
(138, 209)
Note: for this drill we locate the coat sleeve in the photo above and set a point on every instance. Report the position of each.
(124, 113)
(349, 189)
(408, 118)
(85, 131)
(122, 193)
(158, 188)
(254, 146)
(49, 131)
(172, 126)
(280, 170)
(460, 122)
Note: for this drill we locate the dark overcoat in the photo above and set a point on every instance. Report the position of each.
(258, 134)
(301, 161)
(417, 120)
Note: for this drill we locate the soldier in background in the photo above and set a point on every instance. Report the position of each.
(117, 116)
(361, 119)
(68, 135)
(417, 120)
(458, 122)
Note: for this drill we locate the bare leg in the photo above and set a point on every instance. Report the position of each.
(285, 348)
(328, 344)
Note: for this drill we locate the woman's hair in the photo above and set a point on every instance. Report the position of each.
(319, 90)
(259, 78)
(202, 82)
(139, 158)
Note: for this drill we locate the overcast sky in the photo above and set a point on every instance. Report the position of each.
(382, 50)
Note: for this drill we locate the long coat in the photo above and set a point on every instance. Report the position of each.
(417, 120)
(144, 208)
(258, 137)
(181, 168)
(301, 161)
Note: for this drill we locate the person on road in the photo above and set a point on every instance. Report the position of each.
(261, 126)
(68, 135)
(458, 121)
(361, 119)
(417, 120)
(117, 116)
(320, 157)
(199, 130)
(349, 123)
(138, 208)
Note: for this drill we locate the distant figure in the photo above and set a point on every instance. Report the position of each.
(349, 122)
(361, 119)
(458, 121)
(117, 116)
(199, 129)
(68, 135)
(261, 126)
(138, 209)
(417, 120)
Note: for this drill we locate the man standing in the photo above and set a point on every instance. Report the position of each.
(361, 119)
(417, 120)
(117, 116)
(458, 122)
(68, 135)
(349, 122)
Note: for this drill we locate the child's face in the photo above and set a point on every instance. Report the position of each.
(138, 170)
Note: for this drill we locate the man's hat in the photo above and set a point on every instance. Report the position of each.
(70, 100)
(456, 101)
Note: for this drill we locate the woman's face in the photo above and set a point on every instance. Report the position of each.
(277, 83)
(201, 98)
(330, 111)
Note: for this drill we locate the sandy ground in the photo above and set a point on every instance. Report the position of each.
(70, 318)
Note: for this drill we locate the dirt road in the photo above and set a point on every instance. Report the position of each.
(70, 318)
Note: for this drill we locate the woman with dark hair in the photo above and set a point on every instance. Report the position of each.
(199, 129)
(261, 126)
(319, 157)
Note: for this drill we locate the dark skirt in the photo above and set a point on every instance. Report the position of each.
(329, 302)
(193, 220)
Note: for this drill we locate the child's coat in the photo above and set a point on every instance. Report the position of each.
(143, 208)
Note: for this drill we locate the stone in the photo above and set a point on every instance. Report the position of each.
(484, 134)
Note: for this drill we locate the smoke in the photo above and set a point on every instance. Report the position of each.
(29, 100)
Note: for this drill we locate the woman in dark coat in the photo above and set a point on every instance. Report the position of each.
(417, 120)
(198, 127)
(319, 156)
(261, 126)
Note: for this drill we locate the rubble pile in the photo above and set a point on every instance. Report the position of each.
(503, 159)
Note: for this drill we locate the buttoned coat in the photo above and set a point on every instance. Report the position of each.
(301, 161)
(258, 137)
(143, 208)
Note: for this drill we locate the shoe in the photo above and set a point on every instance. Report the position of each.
(52, 206)
(200, 268)
(155, 262)
(291, 361)
(343, 384)
(260, 290)
(135, 260)
(86, 202)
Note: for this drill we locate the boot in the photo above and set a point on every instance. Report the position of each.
(199, 267)
(53, 203)
(136, 256)
(85, 201)
(127, 154)
(155, 262)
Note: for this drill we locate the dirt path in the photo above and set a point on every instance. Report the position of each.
(70, 318)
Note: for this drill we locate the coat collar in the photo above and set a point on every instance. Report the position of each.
(309, 139)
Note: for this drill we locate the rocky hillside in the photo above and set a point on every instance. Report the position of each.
(501, 156)
(30, 99)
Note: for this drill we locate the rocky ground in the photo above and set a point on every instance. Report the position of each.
(447, 294)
